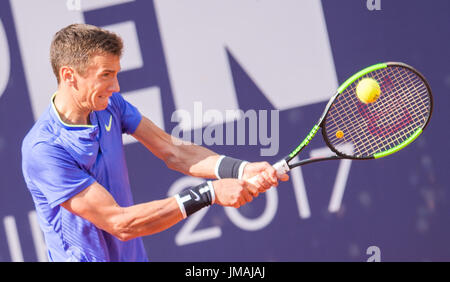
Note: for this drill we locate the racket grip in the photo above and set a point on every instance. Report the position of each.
(281, 167)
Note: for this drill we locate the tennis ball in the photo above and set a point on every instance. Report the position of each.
(368, 90)
(339, 134)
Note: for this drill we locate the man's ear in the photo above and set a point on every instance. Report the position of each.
(67, 75)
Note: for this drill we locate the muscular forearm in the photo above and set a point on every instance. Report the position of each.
(98, 206)
(146, 219)
(194, 160)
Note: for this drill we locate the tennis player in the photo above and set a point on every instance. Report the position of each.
(74, 162)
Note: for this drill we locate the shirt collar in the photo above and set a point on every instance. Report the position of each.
(55, 114)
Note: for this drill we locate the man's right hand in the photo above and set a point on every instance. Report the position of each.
(232, 192)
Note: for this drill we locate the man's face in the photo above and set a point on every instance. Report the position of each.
(98, 82)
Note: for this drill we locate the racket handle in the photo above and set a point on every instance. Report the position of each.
(281, 167)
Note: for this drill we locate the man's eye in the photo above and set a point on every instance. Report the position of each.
(105, 74)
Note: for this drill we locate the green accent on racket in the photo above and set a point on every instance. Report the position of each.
(358, 75)
(400, 146)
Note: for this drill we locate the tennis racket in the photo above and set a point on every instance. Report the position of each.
(359, 131)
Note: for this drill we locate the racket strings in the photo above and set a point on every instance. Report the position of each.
(415, 118)
(402, 108)
(393, 116)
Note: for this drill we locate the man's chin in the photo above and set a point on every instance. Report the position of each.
(100, 107)
(102, 104)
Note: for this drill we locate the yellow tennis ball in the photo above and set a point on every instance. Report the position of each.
(368, 90)
(339, 134)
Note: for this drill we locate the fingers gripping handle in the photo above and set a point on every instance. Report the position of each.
(281, 167)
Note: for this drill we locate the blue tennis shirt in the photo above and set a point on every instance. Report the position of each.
(60, 160)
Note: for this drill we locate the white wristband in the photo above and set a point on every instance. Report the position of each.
(241, 169)
(181, 205)
(213, 193)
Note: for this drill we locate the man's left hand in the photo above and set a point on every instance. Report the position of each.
(266, 176)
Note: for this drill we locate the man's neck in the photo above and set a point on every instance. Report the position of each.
(69, 110)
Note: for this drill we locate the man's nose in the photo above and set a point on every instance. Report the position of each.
(115, 87)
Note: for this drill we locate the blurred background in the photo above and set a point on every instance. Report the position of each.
(288, 56)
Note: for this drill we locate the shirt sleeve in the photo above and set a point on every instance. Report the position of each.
(129, 115)
(56, 174)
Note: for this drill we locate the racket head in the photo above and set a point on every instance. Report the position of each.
(356, 130)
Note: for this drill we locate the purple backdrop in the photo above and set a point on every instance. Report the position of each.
(399, 204)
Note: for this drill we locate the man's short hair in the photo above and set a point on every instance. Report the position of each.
(76, 44)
